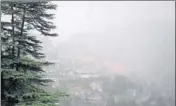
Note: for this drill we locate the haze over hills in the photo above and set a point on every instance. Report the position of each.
(123, 53)
(136, 42)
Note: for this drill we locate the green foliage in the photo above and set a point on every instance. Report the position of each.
(45, 99)
(22, 75)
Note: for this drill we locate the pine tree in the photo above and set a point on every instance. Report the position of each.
(22, 78)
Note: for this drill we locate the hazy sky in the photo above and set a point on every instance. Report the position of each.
(101, 16)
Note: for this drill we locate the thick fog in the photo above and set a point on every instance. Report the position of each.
(131, 38)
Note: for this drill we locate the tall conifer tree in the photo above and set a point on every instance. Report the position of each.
(22, 78)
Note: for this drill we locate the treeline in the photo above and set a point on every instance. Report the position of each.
(22, 74)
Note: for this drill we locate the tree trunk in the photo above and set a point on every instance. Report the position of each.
(13, 47)
(21, 33)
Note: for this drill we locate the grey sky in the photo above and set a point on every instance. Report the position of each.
(100, 16)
